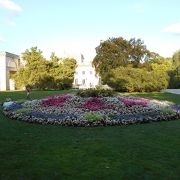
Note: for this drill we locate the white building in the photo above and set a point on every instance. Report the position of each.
(85, 75)
(9, 63)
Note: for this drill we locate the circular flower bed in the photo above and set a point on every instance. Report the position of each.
(72, 110)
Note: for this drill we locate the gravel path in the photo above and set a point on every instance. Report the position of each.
(174, 91)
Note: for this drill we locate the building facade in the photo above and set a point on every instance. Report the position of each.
(85, 75)
(9, 64)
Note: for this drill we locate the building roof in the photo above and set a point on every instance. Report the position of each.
(4, 53)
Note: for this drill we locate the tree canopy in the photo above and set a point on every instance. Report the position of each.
(117, 52)
(176, 58)
(127, 65)
(56, 73)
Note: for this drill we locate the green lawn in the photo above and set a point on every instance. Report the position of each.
(145, 151)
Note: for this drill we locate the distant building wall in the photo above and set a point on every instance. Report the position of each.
(9, 63)
(85, 76)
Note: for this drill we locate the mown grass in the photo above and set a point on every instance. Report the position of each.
(32, 151)
(175, 98)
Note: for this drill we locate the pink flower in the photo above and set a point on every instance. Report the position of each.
(94, 104)
(56, 100)
(134, 101)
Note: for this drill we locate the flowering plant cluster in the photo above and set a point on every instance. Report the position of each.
(94, 104)
(13, 106)
(56, 100)
(175, 107)
(130, 100)
(155, 104)
(72, 110)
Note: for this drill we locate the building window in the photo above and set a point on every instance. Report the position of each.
(83, 72)
(76, 81)
(90, 72)
(83, 82)
(82, 58)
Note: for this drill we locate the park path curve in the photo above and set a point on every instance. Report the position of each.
(174, 91)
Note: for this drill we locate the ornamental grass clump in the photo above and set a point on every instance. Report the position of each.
(23, 110)
(168, 111)
(92, 116)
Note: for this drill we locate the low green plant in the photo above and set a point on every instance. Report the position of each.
(95, 93)
(169, 111)
(93, 116)
(23, 110)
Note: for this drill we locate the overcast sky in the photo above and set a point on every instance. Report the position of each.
(72, 27)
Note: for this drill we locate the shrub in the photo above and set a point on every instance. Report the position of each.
(23, 110)
(169, 111)
(128, 79)
(95, 93)
(90, 116)
(101, 86)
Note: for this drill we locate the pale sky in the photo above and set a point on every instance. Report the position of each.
(72, 27)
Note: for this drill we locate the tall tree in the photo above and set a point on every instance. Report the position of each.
(110, 54)
(175, 73)
(34, 71)
(116, 52)
(139, 53)
(63, 72)
(57, 73)
(176, 58)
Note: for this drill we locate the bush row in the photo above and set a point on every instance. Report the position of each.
(95, 92)
(128, 79)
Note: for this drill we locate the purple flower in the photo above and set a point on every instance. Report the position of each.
(175, 107)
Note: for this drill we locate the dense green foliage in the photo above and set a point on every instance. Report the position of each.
(169, 111)
(32, 151)
(22, 110)
(128, 66)
(128, 79)
(57, 73)
(95, 92)
(174, 82)
(93, 116)
(175, 72)
(116, 52)
(176, 59)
